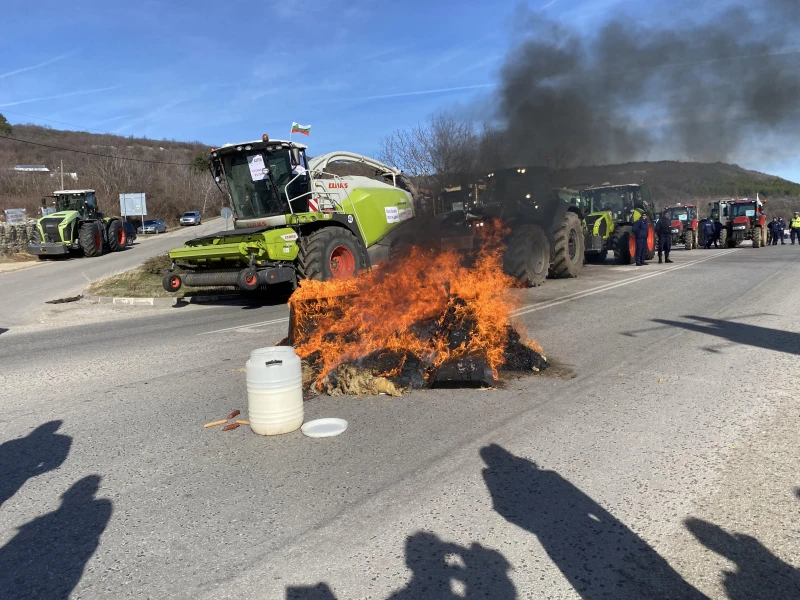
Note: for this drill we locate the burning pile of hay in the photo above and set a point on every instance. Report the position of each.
(426, 319)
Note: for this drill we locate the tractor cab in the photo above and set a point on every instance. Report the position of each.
(83, 202)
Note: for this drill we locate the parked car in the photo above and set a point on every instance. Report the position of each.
(130, 233)
(191, 217)
(153, 226)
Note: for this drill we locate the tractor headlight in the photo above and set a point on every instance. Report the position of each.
(674, 231)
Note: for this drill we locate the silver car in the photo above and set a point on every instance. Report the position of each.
(191, 217)
(153, 226)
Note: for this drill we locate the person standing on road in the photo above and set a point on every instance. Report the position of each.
(773, 231)
(781, 229)
(708, 233)
(664, 233)
(795, 225)
(640, 231)
(717, 233)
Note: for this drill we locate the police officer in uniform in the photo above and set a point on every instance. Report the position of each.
(640, 231)
(795, 225)
(664, 233)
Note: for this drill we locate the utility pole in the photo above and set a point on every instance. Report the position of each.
(62, 173)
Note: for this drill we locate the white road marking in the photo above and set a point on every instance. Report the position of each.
(248, 328)
(610, 286)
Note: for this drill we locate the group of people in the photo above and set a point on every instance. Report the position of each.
(777, 229)
(711, 234)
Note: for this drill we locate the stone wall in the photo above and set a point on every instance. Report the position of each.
(14, 238)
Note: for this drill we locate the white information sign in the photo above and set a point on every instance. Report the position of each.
(750, 212)
(132, 205)
(458, 206)
(16, 216)
(392, 214)
(682, 217)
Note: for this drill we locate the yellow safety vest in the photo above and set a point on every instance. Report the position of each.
(796, 223)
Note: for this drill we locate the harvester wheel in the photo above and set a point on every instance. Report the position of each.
(248, 280)
(91, 239)
(568, 246)
(623, 244)
(116, 236)
(330, 253)
(650, 251)
(527, 256)
(755, 236)
(171, 282)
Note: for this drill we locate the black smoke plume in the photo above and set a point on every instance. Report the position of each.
(724, 87)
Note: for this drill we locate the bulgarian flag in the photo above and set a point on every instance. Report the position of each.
(304, 129)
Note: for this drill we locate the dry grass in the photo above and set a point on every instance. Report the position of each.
(16, 257)
(136, 283)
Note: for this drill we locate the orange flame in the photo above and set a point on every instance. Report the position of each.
(383, 309)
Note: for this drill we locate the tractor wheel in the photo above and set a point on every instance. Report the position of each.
(91, 239)
(116, 236)
(723, 238)
(755, 237)
(597, 258)
(568, 244)
(171, 282)
(527, 256)
(688, 242)
(623, 244)
(701, 240)
(650, 251)
(764, 236)
(695, 240)
(247, 279)
(330, 253)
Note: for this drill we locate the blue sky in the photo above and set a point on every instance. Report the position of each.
(227, 71)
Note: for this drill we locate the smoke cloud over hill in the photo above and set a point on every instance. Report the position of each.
(713, 90)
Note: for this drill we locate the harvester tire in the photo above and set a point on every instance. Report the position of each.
(755, 237)
(527, 256)
(650, 251)
(568, 246)
(330, 253)
(171, 282)
(247, 279)
(621, 243)
(116, 236)
(91, 239)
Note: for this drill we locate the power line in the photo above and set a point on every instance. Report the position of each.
(143, 160)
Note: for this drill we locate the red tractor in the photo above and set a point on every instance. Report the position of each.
(746, 221)
(684, 223)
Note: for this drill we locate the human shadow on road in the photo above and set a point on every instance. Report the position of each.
(3, 330)
(40, 451)
(47, 557)
(740, 333)
(440, 571)
(759, 574)
(597, 553)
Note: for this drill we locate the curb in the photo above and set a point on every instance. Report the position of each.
(158, 301)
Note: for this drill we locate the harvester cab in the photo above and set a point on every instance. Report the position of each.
(76, 224)
(612, 211)
(684, 225)
(293, 218)
(746, 221)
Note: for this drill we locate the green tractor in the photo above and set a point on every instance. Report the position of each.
(611, 211)
(77, 225)
(293, 219)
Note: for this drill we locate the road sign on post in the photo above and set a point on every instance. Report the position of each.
(16, 216)
(132, 205)
(226, 213)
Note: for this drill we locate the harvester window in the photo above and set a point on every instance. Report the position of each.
(251, 199)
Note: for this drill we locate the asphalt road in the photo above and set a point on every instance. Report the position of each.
(24, 290)
(668, 458)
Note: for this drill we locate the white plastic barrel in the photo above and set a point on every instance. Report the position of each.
(274, 390)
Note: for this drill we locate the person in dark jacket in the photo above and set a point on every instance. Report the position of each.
(781, 229)
(640, 230)
(717, 233)
(664, 233)
(773, 231)
(708, 233)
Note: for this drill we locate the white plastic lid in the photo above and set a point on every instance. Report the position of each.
(319, 428)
